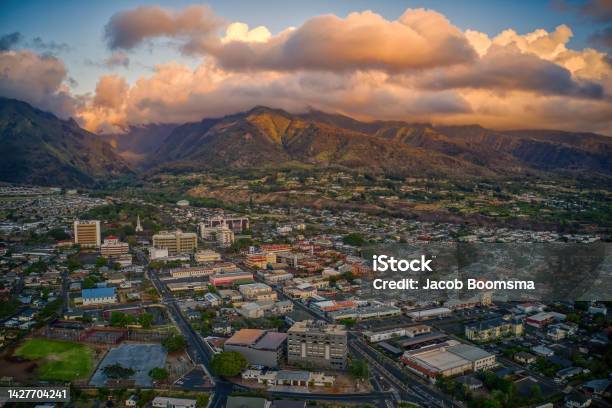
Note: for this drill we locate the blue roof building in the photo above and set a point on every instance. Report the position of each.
(98, 296)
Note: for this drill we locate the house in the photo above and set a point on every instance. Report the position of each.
(525, 358)
(471, 382)
(568, 372)
(577, 400)
(221, 326)
(597, 387)
(598, 309)
(166, 402)
(212, 299)
(543, 351)
(131, 401)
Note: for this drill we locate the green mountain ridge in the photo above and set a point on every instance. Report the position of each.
(38, 148)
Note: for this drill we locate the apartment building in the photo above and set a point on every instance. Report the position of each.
(493, 329)
(87, 233)
(176, 242)
(317, 344)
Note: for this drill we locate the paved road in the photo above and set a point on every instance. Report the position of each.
(200, 353)
(406, 388)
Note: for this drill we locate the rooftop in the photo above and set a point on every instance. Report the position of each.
(468, 352)
(310, 326)
(97, 293)
(245, 337)
(271, 341)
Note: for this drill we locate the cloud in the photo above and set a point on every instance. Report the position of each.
(418, 67)
(586, 64)
(12, 40)
(598, 11)
(38, 80)
(106, 111)
(128, 29)
(9, 41)
(602, 38)
(544, 44)
(49, 47)
(418, 39)
(115, 60)
(111, 91)
(241, 32)
(176, 93)
(506, 69)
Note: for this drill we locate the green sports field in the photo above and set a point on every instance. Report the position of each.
(58, 360)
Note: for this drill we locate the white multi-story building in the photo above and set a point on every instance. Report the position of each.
(112, 247)
(225, 237)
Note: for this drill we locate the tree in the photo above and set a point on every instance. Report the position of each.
(101, 261)
(359, 369)
(353, 239)
(89, 282)
(73, 264)
(228, 363)
(117, 371)
(158, 374)
(58, 234)
(145, 320)
(348, 322)
(174, 343)
(119, 319)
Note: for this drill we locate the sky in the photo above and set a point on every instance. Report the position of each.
(502, 64)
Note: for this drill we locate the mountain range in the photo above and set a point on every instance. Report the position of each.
(265, 137)
(38, 148)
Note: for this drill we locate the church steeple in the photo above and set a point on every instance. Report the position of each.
(138, 226)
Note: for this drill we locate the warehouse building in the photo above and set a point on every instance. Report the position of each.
(447, 359)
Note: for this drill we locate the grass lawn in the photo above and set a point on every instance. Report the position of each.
(59, 360)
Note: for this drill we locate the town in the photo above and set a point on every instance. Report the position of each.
(139, 301)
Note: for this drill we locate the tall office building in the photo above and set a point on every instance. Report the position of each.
(317, 344)
(87, 233)
(176, 242)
